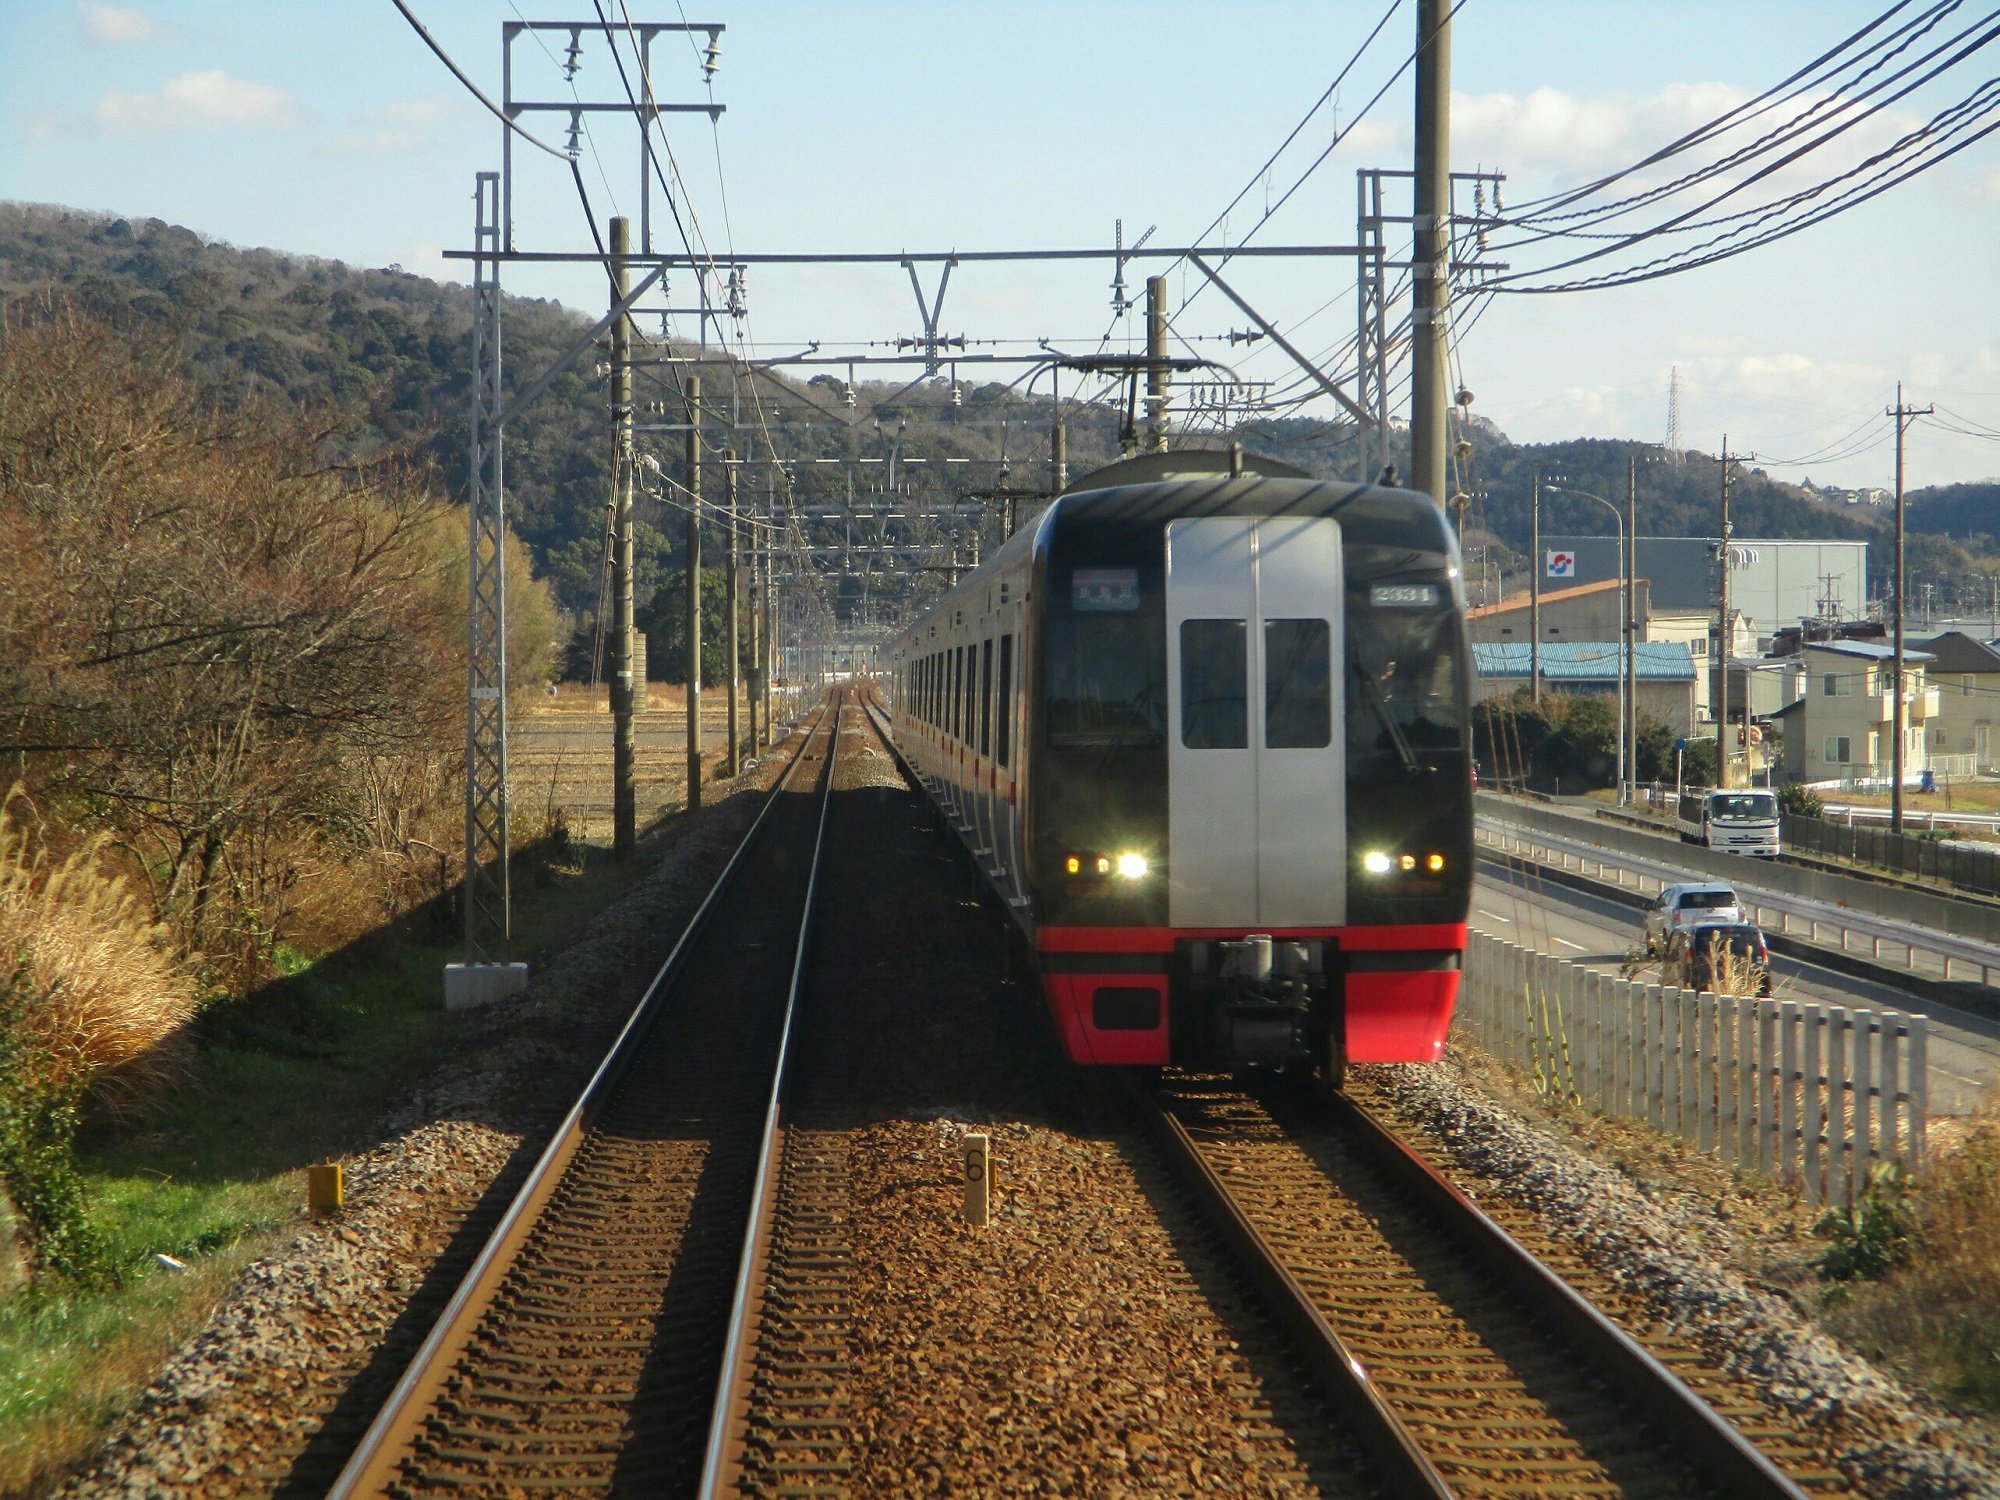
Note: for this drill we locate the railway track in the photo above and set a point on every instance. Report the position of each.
(1467, 1367)
(580, 1353)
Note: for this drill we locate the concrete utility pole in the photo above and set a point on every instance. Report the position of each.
(624, 734)
(1897, 711)
(1058, 458)
(694, 593)
(1631, 626)
(1430, 290)
(735, 762)
(755, 684)
(1723, 643)
(1156, 369)
(1535, 589)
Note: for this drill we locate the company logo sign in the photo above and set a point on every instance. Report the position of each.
(1562, 564)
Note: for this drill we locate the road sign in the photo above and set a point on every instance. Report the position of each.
(1562, 564)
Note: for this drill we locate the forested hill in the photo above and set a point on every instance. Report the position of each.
(395, 347)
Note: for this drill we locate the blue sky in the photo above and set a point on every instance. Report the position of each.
(327, 128)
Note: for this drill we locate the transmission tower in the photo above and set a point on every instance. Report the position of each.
(1673, 446)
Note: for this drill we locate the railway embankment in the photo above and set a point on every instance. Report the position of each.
(1694, 1259)
(270, 1371)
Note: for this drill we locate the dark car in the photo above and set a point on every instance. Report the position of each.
(1725, 957)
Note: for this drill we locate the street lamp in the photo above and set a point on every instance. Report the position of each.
(1624, 629)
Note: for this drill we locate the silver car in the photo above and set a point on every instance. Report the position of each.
(1688, 902)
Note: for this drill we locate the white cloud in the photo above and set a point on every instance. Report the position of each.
(1552, 134)
(203, 100)
(395, 128)
(428, 110)
(120, 23)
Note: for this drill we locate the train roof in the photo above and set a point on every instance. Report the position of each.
(1158, 487)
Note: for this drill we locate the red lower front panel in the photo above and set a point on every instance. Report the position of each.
(1120, 1018)
(1399, 1017)
(1102, 1017)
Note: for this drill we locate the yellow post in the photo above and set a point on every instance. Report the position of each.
(326, 1188)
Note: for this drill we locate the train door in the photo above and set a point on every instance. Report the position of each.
(1256, 786)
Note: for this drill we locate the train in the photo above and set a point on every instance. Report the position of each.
(1204, 727)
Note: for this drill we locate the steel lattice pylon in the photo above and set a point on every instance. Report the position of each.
(488, 924)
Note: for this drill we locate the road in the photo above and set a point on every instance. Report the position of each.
(1598, 932)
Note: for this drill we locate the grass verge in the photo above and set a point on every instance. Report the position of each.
(294, 1074)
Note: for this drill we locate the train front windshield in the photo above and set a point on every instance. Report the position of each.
(1404, 658)
(1409, 780)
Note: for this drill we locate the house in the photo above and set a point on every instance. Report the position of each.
(1966, 674)
(1663, 673)
(1697, 628)
(1839, 731)
(1586, 612)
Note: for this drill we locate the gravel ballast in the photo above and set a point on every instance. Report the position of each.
(270, 1396)
(1665, 1252)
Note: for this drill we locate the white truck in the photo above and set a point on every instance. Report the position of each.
(1744, 822)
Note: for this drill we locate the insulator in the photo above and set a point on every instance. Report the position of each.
(1464, 397)
(575, 130)
(711, 57)
(574, 59)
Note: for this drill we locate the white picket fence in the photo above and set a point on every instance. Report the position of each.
(1813, 1094)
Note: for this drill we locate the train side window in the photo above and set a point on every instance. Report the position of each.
(1003, 732)
(957, 677)
(1298, 689)
(1215, 685)
(968, 697)
(986, 697)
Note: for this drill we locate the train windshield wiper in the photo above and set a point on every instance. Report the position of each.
(1372, 691)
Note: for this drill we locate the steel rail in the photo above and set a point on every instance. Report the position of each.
(1345, 1380)
(369, 1469)
(1716, 1448)
(720, 1459)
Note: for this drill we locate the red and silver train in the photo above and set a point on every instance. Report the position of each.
(1208, 736)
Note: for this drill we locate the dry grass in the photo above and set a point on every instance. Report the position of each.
(1938, 1317)
(105, 1000)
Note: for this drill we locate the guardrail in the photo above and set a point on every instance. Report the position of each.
(1924, 952)
(1811, 1094)
(1955, 864)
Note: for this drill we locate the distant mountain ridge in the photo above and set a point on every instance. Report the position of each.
(397, 347)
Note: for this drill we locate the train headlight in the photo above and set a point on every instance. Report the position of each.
(1133, 866)
(1408, 861)
(1375, 862)
(1073, 865)
(1104, 864)
(1435, 864)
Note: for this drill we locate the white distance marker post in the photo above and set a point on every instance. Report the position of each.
(975, 1154)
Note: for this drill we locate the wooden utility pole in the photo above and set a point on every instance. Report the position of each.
(735, 761)
(756, 602)
(1723, 642)
(1430, 288)
(693, 593)
(624, 691)
(1897, 709)
(1535, 588)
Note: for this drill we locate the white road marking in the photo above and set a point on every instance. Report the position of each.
(1568, 944)
(1494, 915)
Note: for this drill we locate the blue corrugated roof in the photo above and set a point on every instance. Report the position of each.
(1586, 661)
